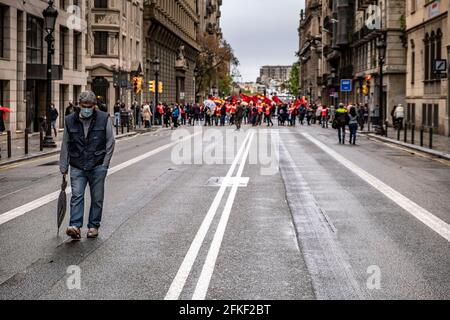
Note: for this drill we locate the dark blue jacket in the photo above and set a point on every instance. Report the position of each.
(87, 153)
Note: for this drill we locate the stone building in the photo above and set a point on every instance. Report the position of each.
(114, 52)
(23, 60)
(170, 33)
(277, 73)
(310, 53)
(389, 24)
(209, 17)
(427, 31)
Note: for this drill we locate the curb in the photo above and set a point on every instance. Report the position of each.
(54, 152)
(431, 152)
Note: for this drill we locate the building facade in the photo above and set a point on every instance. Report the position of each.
(427, 31)
(114, 51)
(366, 36)
(277, 73)
(310, 52)
(23, 60)
(170, 33)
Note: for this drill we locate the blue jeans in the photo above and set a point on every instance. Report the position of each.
(117, 119)
(353, 129)
(79, 180)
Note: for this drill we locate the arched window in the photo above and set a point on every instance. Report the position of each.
(432, 53)
(439, 44)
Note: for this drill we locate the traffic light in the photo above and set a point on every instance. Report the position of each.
(366, 86)
(160, 87)
(152, 86)
(135, 84)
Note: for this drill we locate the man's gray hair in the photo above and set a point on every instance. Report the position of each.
(88, 97)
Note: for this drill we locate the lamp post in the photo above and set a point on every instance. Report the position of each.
(381, 46)
(50, 15)
(156, 67)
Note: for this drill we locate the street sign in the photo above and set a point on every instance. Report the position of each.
(440, 66)
(346, 85)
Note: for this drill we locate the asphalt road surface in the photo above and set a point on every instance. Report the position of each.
(280, 214)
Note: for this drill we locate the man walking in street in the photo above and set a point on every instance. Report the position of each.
(88, 146)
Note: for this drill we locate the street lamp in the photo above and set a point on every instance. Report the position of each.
(156, 67)
(381, 46)
(50, 15)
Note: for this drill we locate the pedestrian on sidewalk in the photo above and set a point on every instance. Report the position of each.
(353, 125)
(88, 146)
(399, 116)
(117, 115)
(53, 117)
(324, 117)
(70, 109)
(147, 116)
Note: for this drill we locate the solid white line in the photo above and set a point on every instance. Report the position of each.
(185, 269)
(19, 211)
(208, 267)
(423, 215)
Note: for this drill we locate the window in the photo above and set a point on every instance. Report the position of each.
(34, 40)
(427, 57)
(101, 43)
(62, 4)
(413, 5)
(433, 51)
(413, 62)
(102, 4)
(76, 49)
(62, 46)
(2, 31)
(411, 113)
(436, 116)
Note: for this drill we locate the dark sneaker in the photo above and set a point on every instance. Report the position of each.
(74, 233)
(92, 233)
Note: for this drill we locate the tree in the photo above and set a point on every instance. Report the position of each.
(213, 64)
(293, 84)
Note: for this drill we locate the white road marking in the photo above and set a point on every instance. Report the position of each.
(208, 268)
(185, 269)
(19, 211)
(423, 215)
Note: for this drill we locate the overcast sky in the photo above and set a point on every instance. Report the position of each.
(261, 32)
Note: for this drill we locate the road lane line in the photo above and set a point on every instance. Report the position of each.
(30, 206)
(208, 268)
(437, 225)
(185, 269)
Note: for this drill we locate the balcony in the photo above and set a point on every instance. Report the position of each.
(365, 34)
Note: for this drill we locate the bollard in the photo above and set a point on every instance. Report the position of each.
(128, 127)
(386, 131)
(9, 143)
(413, 134)
(117, 130)
(122, 127)
(398, 134)
(406, 133)
(41, 140)
(26, 141)
(431, 138)
(421, 137)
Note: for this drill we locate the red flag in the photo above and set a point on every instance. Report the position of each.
(5, 112)
(255, 100)
(267, 101)
(245, 98)
(277, 100)
(234, 100)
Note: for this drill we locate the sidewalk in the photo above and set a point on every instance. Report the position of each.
(18, 148)
(441, 144)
